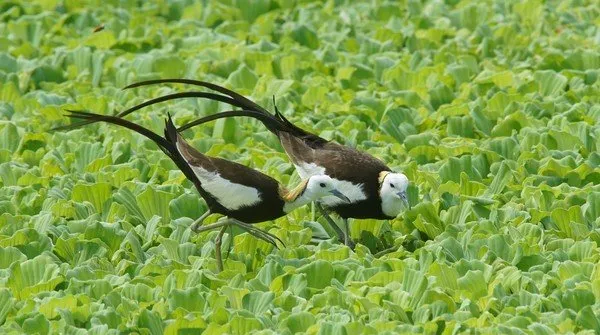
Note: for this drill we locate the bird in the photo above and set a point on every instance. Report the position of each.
(241, 194)
(374, 190)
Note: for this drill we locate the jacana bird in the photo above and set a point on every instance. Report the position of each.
(242, 194)
(374, 190)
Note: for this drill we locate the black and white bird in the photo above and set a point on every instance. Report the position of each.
(374, 190)
(242, 194)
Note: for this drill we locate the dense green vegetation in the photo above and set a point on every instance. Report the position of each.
(489, 107)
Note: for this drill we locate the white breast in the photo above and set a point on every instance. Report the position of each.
(391, 206)
(231, 195)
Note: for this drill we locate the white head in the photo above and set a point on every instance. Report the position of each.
(320, 186)
(311, 189)
(392, 190)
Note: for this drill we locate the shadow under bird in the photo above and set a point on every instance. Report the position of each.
(374, 190)
(242, 194)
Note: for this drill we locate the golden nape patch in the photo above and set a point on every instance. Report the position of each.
(293, 194)
(382, 176)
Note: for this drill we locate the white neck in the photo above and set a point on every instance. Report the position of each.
(300, 201)
(391, 206)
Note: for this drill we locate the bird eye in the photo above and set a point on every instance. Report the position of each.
(392, 185)
(322, 184)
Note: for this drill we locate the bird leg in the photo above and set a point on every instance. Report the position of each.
(334, 226)
(196, 224)
(258, 233)
(222, 222)
(347, 240)
(218, 248)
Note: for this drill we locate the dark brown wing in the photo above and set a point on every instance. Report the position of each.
(271, 205)
(344, 163)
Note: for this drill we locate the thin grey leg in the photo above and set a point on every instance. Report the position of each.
(222, 222)
(347, 239)
(195, 226)
(218, 248)
(332, 223)
(258, 233)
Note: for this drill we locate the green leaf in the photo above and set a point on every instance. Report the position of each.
(318, 274)
(190, 299)
(186, 205)
(473, 284)
(258, 302)
(47, 73)
(6, 303)
(169, 66)
(151, 321)
(588, 320)
(97, 194)
(10, 255)
(33, 276)
(37, 324)
(549, 82)
(153, 202)
(501, 179)
(299, 322)
(305, 36)
(243, 77)
(9, 136)
(577, 299)
(460, 126)
(101, 40)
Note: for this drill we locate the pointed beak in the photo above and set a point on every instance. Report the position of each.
(340, 195)
(404, 198)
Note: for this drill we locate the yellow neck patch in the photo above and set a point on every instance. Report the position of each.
(293, 194)
(382, 176)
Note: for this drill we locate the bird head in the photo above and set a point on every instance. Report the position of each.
(321, 185)
(393, 187)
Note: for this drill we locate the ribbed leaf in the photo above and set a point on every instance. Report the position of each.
(151, 321)
(33, 276)
(318, 274)
(258, 302)
(550, 83)
(186, 205)
(6, 303)
(97, 194)
(152, 202)
(190, 299)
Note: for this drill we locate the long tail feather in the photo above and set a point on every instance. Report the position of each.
(205, 95)
(268, 120)
(237, 100)
(170, 130)
(167, 147)
(92, 117)
(240, 99)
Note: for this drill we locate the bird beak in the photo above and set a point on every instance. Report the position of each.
(340, 195)
(404, 198)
